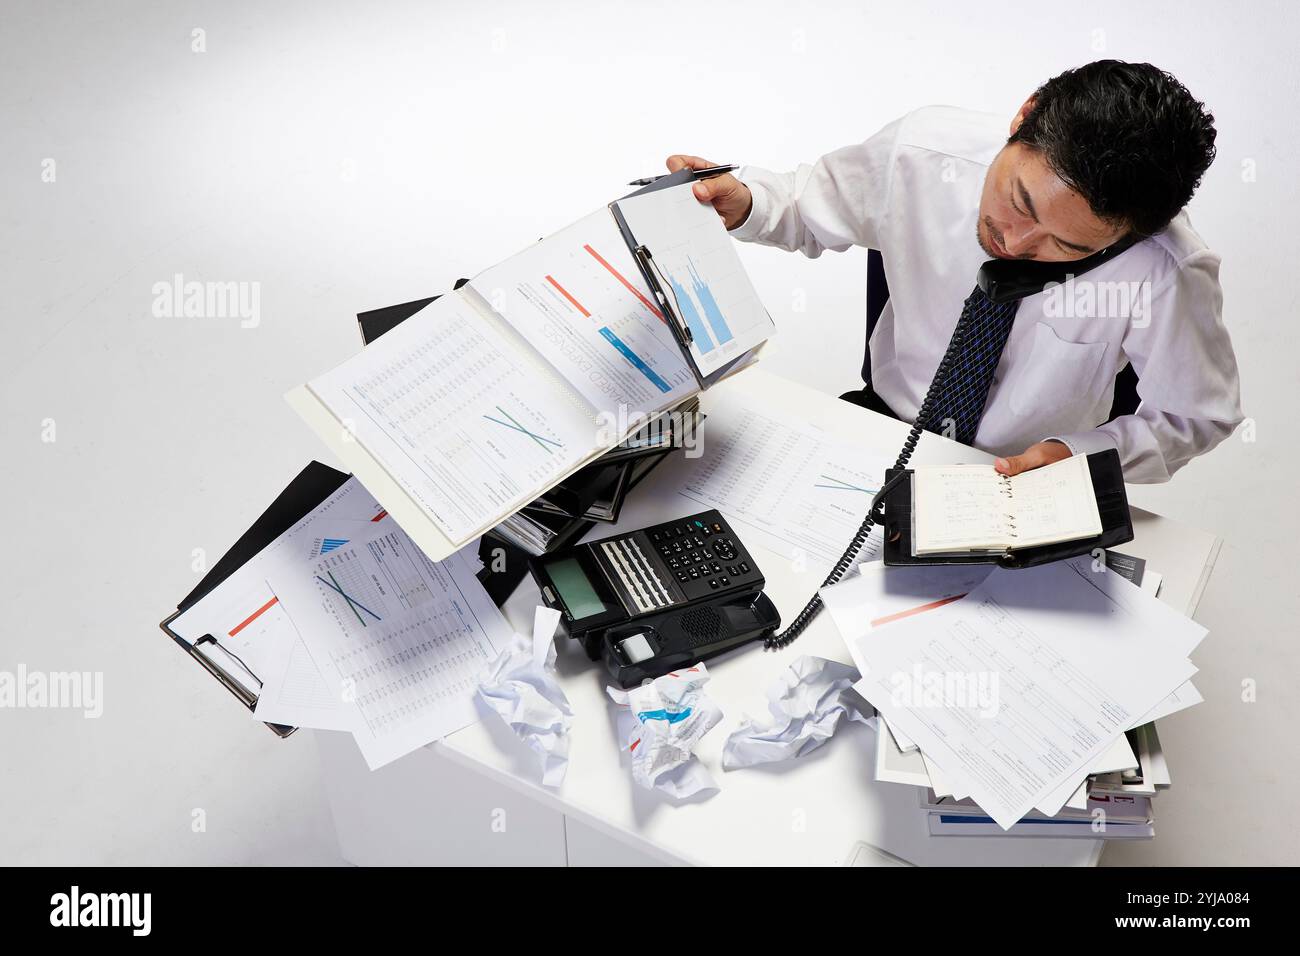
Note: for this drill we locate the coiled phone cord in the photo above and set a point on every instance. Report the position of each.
(813, 607)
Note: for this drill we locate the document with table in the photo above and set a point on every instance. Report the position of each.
(402, 638)
(798, 489)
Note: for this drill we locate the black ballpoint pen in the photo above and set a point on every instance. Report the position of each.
(699, 174)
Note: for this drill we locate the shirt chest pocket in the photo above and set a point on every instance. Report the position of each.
(1056, 381)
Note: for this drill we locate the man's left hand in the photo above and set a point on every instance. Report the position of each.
(1035, 456)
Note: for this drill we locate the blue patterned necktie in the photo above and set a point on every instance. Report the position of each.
(966, 387)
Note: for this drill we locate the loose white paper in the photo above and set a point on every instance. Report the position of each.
(1075, 662)
(402, 639)
(660, 726)
(805, 705)
(520, 686)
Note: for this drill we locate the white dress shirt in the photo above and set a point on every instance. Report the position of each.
(912, 191)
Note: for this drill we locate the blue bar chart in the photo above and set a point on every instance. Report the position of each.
(701, 274)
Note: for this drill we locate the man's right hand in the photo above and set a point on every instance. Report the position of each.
(730, 198)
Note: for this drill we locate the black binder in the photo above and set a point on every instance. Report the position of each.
(1112, 505)
(376, 322)
(599, 484)
(313, 485)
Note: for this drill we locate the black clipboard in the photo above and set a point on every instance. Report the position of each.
(665, 298)
(1112, 506)
(312, 485)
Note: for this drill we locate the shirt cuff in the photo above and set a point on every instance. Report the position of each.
(751, 228)
(1085, 443)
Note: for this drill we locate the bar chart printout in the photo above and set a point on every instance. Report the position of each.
(579, 299)
(706, 283)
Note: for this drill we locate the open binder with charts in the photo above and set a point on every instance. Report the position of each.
(488, 397)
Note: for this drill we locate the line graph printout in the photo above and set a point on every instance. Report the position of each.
(579, 299)
(705, 278)
(803, 491)
(457, 417)
(403, 638)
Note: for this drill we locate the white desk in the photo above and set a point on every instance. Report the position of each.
(473, 797)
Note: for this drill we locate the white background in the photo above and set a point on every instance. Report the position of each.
(348, 156)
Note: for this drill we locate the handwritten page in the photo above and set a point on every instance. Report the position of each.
(960, 508)
(1055, 503)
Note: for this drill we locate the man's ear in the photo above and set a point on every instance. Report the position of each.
(1020, 116)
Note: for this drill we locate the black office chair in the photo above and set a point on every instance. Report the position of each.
(1126, 398)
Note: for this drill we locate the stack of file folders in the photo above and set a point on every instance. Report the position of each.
(513, 414)
(596, 493)
(573, 507)
(1123, 799)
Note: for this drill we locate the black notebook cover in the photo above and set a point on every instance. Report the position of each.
(1112, 505)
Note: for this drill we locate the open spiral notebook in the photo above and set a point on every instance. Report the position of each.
(963, 509)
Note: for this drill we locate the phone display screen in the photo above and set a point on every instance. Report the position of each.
(576, 589)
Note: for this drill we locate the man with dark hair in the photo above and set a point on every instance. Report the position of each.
(1103, 157)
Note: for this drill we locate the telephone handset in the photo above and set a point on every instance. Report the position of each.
(1002, 280)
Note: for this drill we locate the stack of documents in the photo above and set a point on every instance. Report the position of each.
(341, 623)
(1020, 702)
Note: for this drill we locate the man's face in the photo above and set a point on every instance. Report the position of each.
(1027, 212)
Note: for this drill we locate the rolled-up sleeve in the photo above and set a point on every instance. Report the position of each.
(835, 203)
(1187, 378)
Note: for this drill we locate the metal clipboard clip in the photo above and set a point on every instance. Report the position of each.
(209, 639)
(658, 285)
(222, 672)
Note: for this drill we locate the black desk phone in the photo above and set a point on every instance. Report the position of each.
(654, 600)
